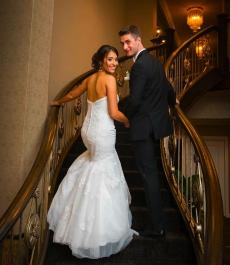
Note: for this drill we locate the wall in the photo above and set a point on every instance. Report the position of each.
(213, 105)
(25, 28)
(44, 45)
(143, 15)
(79, 28)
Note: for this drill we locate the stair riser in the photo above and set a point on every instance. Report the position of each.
(173, 222)
(122, 137)
(128, 162)
(177, 250)
(124, 149)
(134, 179)
(138, 198)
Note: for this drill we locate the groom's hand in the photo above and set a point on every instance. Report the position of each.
(127, 124)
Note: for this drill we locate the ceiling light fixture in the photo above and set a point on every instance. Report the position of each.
(195, 18)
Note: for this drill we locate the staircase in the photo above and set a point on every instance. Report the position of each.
(175, 249)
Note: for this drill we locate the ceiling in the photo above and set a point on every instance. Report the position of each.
(176, 13)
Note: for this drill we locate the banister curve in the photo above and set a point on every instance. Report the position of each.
(188, 42)
(211, 235)
(214, 237)
(24, 194)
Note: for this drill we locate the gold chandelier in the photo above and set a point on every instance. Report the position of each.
(195, 18)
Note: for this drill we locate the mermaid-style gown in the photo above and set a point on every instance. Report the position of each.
(90, 211)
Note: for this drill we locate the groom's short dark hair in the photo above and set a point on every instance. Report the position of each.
(130, 29)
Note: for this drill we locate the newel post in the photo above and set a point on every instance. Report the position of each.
(222, 42)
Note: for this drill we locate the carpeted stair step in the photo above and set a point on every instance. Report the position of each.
(122, 137)
(69, 160)
(173, 250)
(138, 197)
(133, 178)
(124, 148)
(128, 162)
(226, 255)
(173, 222)
(78, 147)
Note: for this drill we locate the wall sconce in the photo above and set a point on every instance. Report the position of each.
(160, 37)
(195, 18)
(158, 32)
(202, 48)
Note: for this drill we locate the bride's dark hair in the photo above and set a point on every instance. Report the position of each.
(98, 57)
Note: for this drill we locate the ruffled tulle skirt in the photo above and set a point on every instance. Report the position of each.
(90, 211)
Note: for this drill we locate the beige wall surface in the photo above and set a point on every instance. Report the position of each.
(24, 67)
(45, 44)
(143, 14)
(79, 28)
(213, 105)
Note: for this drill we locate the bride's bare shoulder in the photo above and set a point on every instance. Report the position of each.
(110, 78)
(102, 76)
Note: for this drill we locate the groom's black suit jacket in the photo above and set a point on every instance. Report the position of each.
(151, 95)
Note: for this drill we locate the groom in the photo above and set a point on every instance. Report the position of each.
(148, 104)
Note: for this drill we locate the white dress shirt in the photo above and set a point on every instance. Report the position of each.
(136, 55)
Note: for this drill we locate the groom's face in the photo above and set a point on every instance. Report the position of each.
(130, 44)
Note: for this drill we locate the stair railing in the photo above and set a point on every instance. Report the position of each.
(193, 59)
(23, 227)
(187, 162)
(194, 183)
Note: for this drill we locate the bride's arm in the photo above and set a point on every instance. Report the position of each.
(111, 92)
(74, 93)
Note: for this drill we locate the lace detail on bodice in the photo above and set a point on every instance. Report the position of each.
(98, 130)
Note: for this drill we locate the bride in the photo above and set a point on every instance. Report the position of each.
(90, 211)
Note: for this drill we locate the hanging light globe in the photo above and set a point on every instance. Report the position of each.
(195, 18)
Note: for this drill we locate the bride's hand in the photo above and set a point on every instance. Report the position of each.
(54, 103)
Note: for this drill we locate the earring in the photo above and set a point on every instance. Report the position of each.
(100, 66)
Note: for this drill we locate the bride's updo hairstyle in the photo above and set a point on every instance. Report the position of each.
(98, 57)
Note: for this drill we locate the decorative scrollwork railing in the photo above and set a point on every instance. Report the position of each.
(193, 59)
(188, 165)
(194, 183)
(23, 227)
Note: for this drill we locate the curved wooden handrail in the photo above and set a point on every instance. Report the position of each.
(188, 42)
(28, 188)
(207, 251)
(23, 196)
(214, 236)
(214, 226)
(193, 59)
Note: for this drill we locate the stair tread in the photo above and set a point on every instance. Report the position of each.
(138, 188)
(144, 209)
(131, 171)
(150, 249)
(126, 156)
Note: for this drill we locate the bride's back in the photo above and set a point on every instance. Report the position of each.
(96, 86)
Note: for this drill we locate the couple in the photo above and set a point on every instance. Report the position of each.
(90, 211)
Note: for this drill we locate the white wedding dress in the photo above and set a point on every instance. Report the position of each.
(90, 211)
